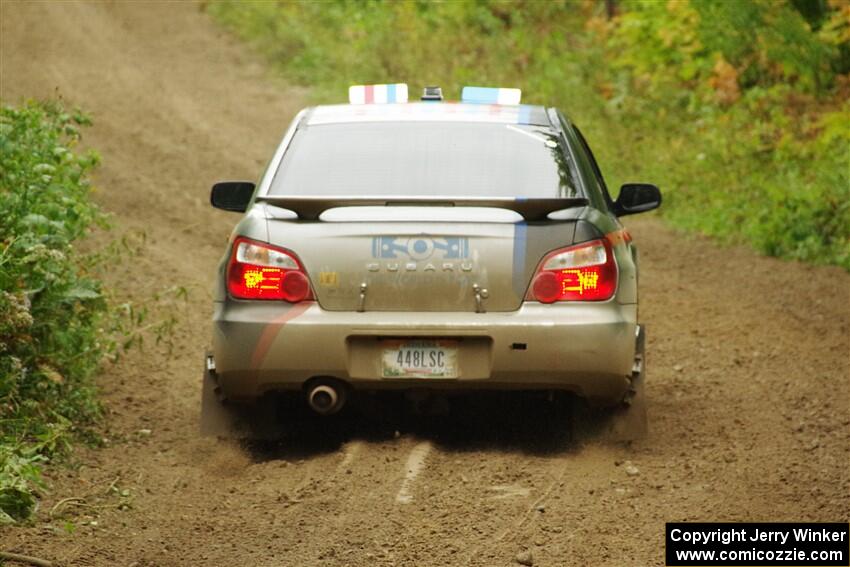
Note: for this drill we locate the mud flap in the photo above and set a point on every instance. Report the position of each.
(629, 423)
(625, 422)
(235, 421)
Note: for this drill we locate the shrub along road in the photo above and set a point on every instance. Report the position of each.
(748, 367)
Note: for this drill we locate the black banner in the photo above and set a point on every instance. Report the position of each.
(758, 544)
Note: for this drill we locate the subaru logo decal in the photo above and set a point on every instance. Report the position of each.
(420, 247)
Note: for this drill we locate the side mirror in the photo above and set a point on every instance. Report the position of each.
(637, 198)
(232, 195)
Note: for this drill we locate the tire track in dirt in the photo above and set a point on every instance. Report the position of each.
(412, 467)
(747, 358)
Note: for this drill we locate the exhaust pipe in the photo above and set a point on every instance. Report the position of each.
(325, 398)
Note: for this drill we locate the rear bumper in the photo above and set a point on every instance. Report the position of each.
(585, 348)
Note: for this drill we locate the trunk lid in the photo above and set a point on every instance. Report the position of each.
(417, 266)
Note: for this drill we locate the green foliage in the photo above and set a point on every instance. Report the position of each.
(330, 45)
(52, 311)
(770, 41)
(20, 481)
(749, 126)
(736, 108)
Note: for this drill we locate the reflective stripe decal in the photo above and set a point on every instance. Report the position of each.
(620, 236)
(272, 329)
(520, 254)
(524, 114)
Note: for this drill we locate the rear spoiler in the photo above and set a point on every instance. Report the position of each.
(531, 209)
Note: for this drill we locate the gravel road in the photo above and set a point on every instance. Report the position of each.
(748, 382)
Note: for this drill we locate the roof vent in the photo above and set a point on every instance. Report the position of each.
(432, 93)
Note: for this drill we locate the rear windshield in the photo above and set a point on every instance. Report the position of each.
(425, 159)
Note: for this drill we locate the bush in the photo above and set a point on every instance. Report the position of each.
(51, 309)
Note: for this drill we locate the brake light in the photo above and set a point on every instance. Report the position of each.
(261, 271)
(584, 272)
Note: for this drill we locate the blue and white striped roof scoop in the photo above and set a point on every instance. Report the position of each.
(491, 95)
(377, 94)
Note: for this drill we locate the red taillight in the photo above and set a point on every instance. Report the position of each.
(584, 272)
(261, 271)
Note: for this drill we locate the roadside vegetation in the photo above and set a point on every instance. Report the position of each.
(52, 311)
(59, 324)
(739, 110)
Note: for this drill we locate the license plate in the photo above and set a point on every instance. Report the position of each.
(419, 359)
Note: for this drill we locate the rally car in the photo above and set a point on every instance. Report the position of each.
(427, 246)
